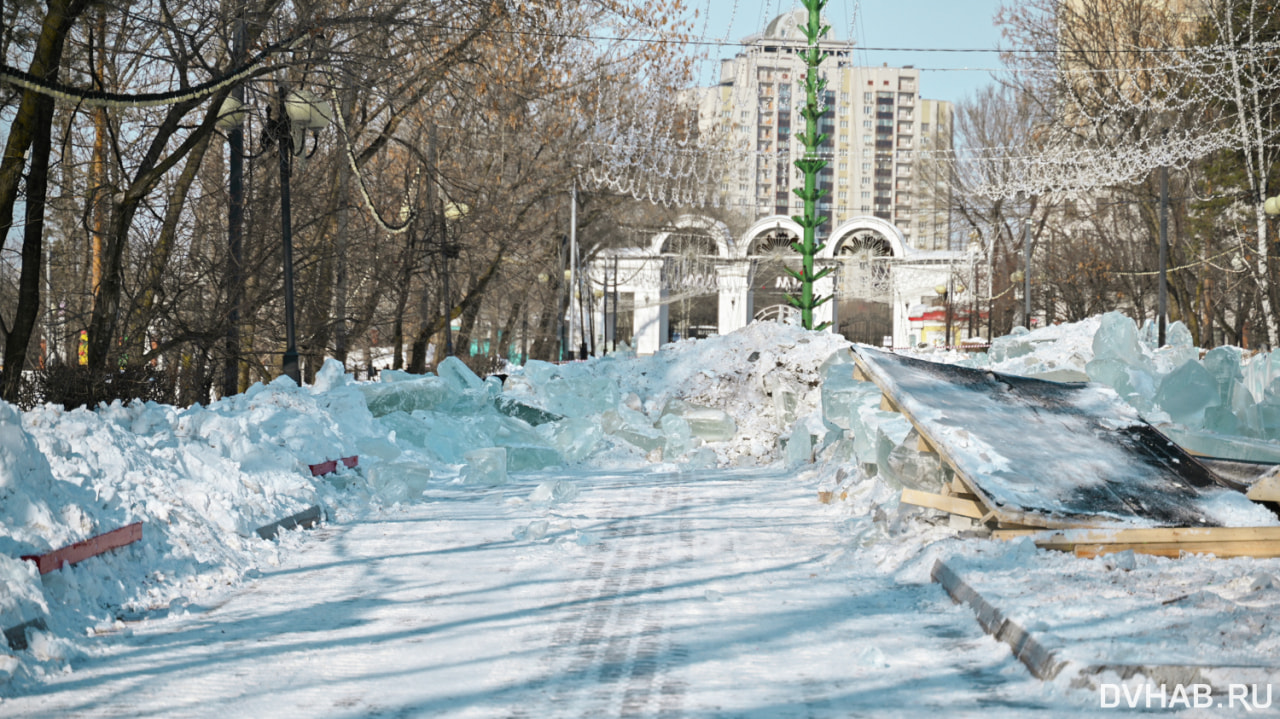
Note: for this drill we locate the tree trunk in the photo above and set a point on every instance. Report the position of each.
(32, 129)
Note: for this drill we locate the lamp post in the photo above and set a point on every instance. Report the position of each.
(296, 111)
(231, 120)
(449, 251)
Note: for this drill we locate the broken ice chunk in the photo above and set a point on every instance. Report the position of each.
(398, 481)
(454, 371)
(407, 395)
(575, 437)
(678, 436)
(635, 432)
(1117, 339)
(554, 492)
(706, 423)
(799, 448)
(1134, 385)
(581, 396)
(702, 458)
(841, 395)
(1186, 392)
(485, 466)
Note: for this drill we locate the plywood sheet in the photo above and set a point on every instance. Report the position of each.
(1050, 454)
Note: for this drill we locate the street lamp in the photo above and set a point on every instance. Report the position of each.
(449, 251)
(296, 112)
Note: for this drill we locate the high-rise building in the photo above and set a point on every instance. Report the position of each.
(875, 126)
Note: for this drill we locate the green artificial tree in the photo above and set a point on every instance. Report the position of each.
(811, 165)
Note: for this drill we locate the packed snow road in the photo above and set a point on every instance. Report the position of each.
(695, 594)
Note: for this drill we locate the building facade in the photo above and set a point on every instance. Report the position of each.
(875, 127)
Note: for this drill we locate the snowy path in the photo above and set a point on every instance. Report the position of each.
(722, 593)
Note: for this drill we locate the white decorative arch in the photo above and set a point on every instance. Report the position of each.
(767, 224)
(715, 228)
(897, 241)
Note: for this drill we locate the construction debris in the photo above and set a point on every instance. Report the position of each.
(1025, 455)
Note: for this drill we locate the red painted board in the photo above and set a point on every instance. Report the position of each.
(90, 547)
(351, 461)
(324, 468)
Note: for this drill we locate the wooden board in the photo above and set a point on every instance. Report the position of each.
(954, 505)
(1222, 550)
(306, 519)
(1043, 433)
(91, 547)
(17, 636)
(1223, 542)
(323, 468)
(1266, 489)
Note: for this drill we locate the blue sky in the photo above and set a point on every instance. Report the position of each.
(882, 23)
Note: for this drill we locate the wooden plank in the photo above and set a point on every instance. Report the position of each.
(1261, 549)
(1160, 535)
(17, 635)
(91, 547)
(923, 445)
(859, 375)
(954, 505)
(306, 519)
(1266, 489)
(1007, 533)
(887, 405)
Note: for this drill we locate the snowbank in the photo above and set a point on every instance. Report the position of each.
(203, 479)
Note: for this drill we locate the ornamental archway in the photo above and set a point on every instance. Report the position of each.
(769, 253)
(863, 251)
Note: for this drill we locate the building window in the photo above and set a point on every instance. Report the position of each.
(844, 123)
(866, 109)
(866, 180)
(866, 124)
(844, 139)
(866, 167)
(842, 195)
(866, 97)
(924, 127)
(844, 167)
(866, 139)
(866, 195)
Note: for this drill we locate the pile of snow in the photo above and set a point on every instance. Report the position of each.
(202, 479)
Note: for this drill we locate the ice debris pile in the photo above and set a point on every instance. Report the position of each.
(202, 479)
(718, 401)
(1225, 403)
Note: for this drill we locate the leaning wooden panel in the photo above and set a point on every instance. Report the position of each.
(953, 505)
(1047, 454)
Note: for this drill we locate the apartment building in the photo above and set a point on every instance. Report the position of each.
(876, 126)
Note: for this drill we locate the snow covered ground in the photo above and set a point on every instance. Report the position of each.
(624, 536)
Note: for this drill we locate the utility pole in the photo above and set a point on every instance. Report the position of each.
(811, 165)
(1163, 303)
(235, 225)
(1026, 270)
(284, 147)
